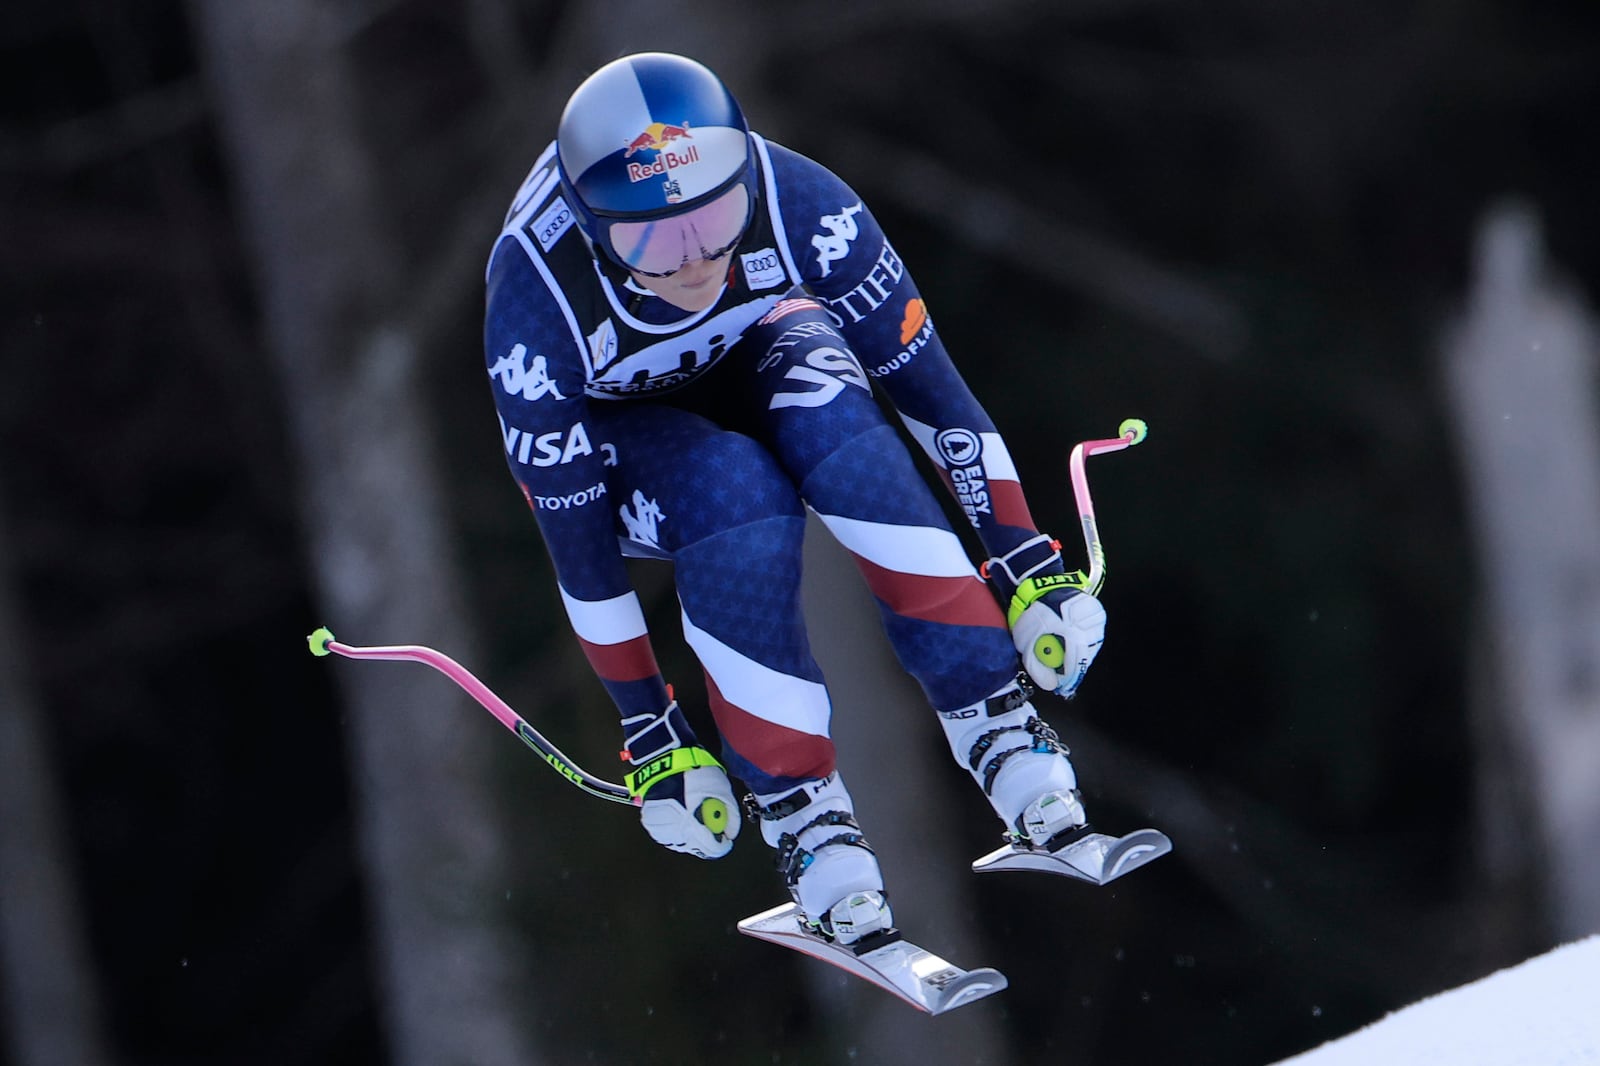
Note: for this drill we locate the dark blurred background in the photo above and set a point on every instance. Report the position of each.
(1340, 255)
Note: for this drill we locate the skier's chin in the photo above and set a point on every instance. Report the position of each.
(696, 298)
(695, 288)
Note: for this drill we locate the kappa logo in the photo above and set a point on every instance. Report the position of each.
(841, 233)
(641, 522)
(531, 381)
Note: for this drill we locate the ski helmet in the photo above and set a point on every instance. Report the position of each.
(656, 162)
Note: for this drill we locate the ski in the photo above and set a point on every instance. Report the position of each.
(894, 964)
(1093, 857)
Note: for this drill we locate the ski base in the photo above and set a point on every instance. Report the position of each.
(916, 975)
(1093, 857)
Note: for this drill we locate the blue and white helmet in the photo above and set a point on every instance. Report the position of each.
(647, 137)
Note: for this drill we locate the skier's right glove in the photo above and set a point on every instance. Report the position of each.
(685, 801)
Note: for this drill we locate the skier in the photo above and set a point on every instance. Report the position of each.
(684, 324)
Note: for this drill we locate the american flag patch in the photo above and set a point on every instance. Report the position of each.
(787, 307)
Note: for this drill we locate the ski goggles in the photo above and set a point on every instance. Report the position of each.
(664, 246)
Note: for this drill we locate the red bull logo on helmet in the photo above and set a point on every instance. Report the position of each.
(658, 137)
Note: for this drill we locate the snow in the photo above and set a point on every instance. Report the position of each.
(1543, 1012)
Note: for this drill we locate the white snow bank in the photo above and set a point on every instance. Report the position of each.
(1543, 1012)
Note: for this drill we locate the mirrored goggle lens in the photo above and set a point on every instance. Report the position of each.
(666, 244)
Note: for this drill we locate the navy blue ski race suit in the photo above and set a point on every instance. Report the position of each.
(702, 438)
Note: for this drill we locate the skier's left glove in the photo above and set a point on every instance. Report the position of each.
(1056, 626)
(1058, 630)
(685, 801)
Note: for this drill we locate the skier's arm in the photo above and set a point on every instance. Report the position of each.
(685, 801)
(849, 263)
(537, 385)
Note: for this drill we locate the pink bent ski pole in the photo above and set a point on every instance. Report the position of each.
(1049, 647)
(322, 643)
(1131, 432)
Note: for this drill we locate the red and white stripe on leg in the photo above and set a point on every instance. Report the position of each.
(918, 571)
(774, 720)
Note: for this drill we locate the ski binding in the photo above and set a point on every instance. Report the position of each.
(1088, 856)
(916, 975)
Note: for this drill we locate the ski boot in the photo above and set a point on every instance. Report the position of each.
(1022, 767)
(1020, 764)
(840, 914)
(831, 872)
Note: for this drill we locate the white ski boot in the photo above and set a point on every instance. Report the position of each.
(1020, 764)
(830, 870)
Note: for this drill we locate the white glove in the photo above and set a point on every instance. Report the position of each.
(692, 810)
(1058, 631)
(685, 801)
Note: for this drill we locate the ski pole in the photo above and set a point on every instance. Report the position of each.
(1131, 432)
(322, 643)
(1049, 647)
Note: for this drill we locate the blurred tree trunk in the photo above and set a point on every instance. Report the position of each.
(329, 287)
(49, 1000)
(1520, 376)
